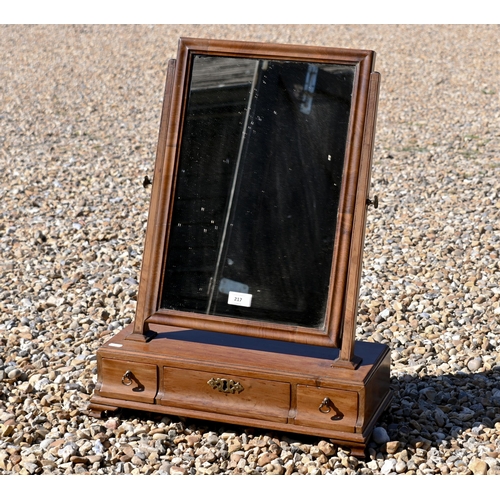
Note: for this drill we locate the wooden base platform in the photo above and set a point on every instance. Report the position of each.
(245, 381)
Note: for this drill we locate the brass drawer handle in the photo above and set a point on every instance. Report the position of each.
(325, 406)
(224, 385)
(127, 378)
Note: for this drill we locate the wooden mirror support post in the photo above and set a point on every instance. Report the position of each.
(246, 311)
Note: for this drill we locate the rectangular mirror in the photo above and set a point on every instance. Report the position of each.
(259, 188)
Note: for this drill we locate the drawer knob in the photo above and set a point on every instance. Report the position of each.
(224, 385)
(325, 406)
(127, 378)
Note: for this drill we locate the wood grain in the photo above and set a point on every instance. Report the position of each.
(315, 381)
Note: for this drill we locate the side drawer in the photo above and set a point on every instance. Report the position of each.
(226, 394)
(128, 380)
(326, 408)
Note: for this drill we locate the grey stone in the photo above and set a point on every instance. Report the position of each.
(380, 435)
(67, 451)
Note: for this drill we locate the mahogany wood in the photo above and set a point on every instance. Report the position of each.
(340, 407)
(315, 381)
(283, 384)
(257, 398)
(166, 171)
(358, 229)
(147, 298)
(139, 381)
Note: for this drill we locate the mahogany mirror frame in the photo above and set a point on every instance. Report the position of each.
(340, 321)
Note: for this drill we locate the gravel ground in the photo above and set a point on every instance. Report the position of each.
(79, 116)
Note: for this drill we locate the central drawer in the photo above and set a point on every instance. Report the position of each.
(224, 393)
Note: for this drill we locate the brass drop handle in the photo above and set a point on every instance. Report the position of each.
(127, 378)
(325, 406)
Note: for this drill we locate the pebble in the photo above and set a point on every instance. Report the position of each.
(380, 435)
(392, 447)
(478, 467)
(388, 466)
(474, 364)
(71, 240)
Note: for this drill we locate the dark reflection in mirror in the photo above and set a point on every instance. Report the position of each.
(258, 187)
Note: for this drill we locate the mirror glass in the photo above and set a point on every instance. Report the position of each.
(257, 190)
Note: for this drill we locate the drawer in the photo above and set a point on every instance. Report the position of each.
(326, 408)
(223, 393)
(128, 380)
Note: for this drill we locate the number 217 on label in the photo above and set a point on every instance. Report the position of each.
(240, 299)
